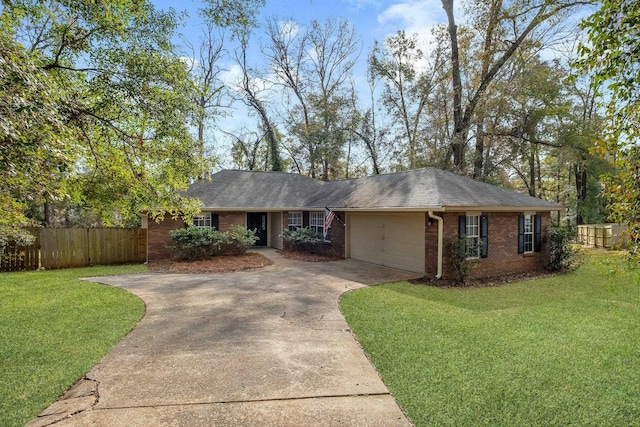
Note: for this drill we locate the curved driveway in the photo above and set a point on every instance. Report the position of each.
(260, 348)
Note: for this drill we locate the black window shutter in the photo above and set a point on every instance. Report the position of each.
(520, 234)
(537, 241)
(462, 231)
(484, 236)
(215, 221)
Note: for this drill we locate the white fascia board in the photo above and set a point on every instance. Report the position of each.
(245, 209)
(502, 208)
(389, 209)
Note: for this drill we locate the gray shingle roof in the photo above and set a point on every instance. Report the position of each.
(427, 188)
(254, 190)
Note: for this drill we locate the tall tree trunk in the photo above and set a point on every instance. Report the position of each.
(459, 139)
(478, 162)
(203, 173)
(48, 213)
(580, 174)
(532, 173)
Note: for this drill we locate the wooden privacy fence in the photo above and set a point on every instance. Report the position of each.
(77, 247)
(602, 235)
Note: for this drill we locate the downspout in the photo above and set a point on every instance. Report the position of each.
(440, 245)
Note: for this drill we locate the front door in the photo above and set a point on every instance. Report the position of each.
(258, 221)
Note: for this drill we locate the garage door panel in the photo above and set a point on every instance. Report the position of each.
(395, 240)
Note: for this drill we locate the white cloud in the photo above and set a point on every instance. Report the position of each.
(414, 16)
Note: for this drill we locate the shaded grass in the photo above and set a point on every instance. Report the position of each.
(562, 350)
(53, 329)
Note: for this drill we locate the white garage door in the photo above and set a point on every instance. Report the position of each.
(395, 241)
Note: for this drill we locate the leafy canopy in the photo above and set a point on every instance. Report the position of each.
(94, 112)
(612, 58)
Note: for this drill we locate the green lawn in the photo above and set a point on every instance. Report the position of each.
(53, 329)
(557, 351)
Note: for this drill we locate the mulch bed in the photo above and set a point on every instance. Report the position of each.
(304, 256)
(217, 264)
(483, 283)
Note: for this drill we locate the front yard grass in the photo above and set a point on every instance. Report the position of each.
(53, 329)
(556, 351)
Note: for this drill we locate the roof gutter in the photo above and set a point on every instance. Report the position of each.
(440, 243)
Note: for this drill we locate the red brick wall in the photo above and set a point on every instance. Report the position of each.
(158, 236)
(431, 247)
(338, 233)
(159, 233)
(227, 219)
(502, 258)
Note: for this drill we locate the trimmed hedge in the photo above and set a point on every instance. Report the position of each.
(304, 239)
(194, 243)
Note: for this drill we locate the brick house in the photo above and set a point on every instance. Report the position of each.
(401, 220)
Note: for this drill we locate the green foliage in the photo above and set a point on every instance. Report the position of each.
(623, 193)
(95, 110)
(560, 253)
(303, 239)
(235, 241)
(457, 249)
(561, 350)
(611, 58)
(194, 243)
(53, 329)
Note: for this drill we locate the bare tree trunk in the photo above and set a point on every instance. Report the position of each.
(478, 162)
(523, 23)
(580, 174)
(459, 139)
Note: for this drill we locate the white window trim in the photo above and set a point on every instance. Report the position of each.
(204, 217)
(297, 216)
(476, 237)
(316, 221)
(531, 233)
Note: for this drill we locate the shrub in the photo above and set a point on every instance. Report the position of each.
(236, 241)
(560, 253)
(304, 239)
(457, 252)
(191, 243)
(196, 243)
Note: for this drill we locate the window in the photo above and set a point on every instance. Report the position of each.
(206, 220)
(472, 234)
(475, 231)
(316, 222)
(202, 220)
(295, 220)
(528, 234)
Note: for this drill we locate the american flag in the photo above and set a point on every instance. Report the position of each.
(328, 219)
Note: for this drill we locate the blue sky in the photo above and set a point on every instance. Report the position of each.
(372, 20)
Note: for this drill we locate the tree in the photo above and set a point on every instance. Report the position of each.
(503, 27)
(251, 90)
(207, 89)
(32, 134)
(313, 66)
(108, 107)
(405, 88)
(612, 57)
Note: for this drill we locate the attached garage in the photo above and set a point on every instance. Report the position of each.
(391, 240)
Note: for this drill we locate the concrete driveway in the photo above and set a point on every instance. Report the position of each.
(259, 348)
